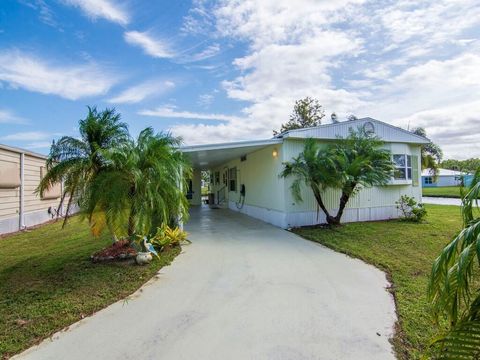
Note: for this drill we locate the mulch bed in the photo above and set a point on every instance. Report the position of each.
(121, 250)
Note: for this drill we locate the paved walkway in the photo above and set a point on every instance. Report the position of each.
(243, 290)
(441, 201)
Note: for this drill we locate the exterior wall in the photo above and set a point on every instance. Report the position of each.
(269, 198)
(264, 189)
(375, 203)
(35, 209)
(450, 180)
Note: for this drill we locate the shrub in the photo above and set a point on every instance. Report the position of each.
(410, 209)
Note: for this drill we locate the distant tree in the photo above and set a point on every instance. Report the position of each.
(431, 153)
(307, 112)
(349, 163)
(469, 165)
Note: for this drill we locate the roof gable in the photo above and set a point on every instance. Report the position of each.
(384, 131)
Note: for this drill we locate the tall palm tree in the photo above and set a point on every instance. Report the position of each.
(76, 161)
(452, 290)
(144, 181)
(351, 162)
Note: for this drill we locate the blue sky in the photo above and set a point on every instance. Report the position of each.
(213, 71)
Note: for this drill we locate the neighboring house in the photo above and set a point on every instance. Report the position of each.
(246, 175)
(20, 174)
(445, 177)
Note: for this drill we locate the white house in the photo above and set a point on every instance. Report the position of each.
(444, 177)
(246, 175)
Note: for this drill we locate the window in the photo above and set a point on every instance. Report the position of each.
(217, 177)
(403, 167)
(232, 179)
(428, 180)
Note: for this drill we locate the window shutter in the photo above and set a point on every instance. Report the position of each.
(415, 173)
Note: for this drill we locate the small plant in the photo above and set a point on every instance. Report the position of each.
(410, 209)
(167, 235)
(176, 235)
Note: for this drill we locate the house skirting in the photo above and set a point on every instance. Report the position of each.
(33, 218)
(305, 218)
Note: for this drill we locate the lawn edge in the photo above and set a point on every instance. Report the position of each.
(174, 252)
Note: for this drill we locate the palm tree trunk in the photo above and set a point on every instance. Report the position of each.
(343, 203)
(131, 222)
(67, 213)
(318, 198)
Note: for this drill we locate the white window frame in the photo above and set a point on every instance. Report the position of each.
(405, 168)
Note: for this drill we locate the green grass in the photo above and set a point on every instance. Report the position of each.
(47, 282)
(443, 191)
(406, 252)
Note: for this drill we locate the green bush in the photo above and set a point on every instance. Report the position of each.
(410, 209)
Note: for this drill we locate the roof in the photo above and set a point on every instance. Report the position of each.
(384, 131)
(443, 172)
(212, 155)
(22, 151)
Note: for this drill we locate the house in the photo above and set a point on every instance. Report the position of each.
(445, 177)
(20, 207)
(245, 175)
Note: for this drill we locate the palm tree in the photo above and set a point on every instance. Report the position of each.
(431, 153)
(451, 284)
(77, 161)
(144, 183)
(357, 160)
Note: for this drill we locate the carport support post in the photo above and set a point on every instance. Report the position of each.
(180, 185)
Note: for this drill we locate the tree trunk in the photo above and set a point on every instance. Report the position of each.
(320, 203)
(343, 202)
(67, 213)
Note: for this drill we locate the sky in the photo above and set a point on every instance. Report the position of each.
(217, 71)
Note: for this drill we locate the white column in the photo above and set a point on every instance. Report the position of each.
(180, 185)
(21, 224)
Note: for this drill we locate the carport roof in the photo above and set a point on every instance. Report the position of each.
(211, 155)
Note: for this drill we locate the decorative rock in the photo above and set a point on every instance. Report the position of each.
(143, 258)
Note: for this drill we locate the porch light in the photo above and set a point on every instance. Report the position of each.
(275, 153)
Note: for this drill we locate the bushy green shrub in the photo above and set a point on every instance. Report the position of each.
(410, 209)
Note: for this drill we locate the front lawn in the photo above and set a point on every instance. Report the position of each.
(406, 252)
(442, 191)
(47, 282)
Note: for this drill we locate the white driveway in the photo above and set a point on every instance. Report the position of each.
(441, 201)
(243, 290)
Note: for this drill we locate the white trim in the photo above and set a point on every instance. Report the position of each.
(23, 151)
(271, 216)
(230, 145)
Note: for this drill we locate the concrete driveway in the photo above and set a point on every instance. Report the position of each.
(243, 290)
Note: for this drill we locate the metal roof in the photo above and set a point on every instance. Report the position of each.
(386, 132)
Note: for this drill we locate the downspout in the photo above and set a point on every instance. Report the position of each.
(22, 192)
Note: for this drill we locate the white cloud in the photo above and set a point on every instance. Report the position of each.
(406, 63)
(107, 9)
(209, 52)
(205, 100)
(171, 112)
(150, 45)
(39, 145)
(147, 89)
(8, 117)
(28, 72)
(27, 136)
